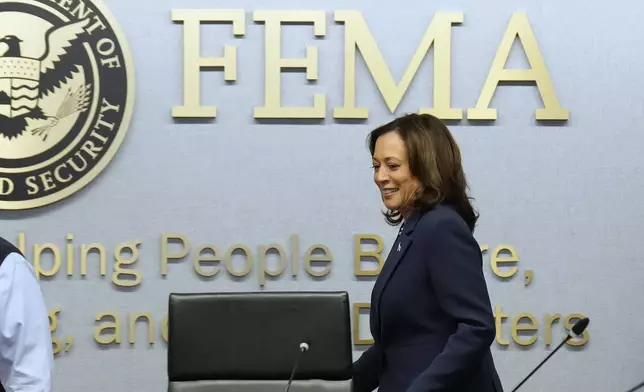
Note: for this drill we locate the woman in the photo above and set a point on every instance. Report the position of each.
(431, 317)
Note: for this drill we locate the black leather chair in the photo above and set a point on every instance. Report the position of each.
(250, 342)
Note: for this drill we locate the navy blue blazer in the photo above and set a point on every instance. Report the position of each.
(431, 317)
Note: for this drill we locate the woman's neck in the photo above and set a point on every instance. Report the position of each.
(405, 213)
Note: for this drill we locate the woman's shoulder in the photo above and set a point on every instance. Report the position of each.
(442, 218)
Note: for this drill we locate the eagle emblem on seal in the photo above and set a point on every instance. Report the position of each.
(25, 81)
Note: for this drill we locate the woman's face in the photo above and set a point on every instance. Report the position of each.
(392, 173)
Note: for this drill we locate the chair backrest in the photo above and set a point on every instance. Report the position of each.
(249, 342)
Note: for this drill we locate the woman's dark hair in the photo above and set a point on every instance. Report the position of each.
(435, 159)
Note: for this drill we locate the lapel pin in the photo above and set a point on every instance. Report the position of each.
(399, 247)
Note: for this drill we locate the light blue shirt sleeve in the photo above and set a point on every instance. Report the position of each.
(26, 355)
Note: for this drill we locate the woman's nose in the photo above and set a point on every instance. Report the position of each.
(381, 176)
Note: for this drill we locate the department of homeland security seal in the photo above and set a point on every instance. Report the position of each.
(66, 97)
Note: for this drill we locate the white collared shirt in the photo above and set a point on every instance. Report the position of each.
(26, 355)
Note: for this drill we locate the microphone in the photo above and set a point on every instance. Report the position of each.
(636, 387)
(576, 330)
(304, 347)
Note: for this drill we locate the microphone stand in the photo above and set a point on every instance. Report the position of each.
(636, 387)
(542, 362)
(303, 348)
(576, 330)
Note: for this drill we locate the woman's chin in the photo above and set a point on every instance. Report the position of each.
(391, 205)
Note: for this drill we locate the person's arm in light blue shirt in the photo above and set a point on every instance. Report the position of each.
(26, 357)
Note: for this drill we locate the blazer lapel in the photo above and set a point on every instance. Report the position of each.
(396, 254)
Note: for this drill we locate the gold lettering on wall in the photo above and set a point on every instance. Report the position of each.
(165, 255)
(325, 257)
(499, 316)
(359, 307)
(107, 325)
(367, 247)
(315, 254)
(126, 277)
(519, 26)
(518, 326)
(46, 248)
(496, 258)
(200, 258)
(147, 319)
(274, 63)
(569, 321)
(108, 328)
(164, 328)
(193, 62)
(358, 36)
(264, 270)
(359, 254)
(85, 251)
(248, 260)
(548, 320)
(57, 345)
